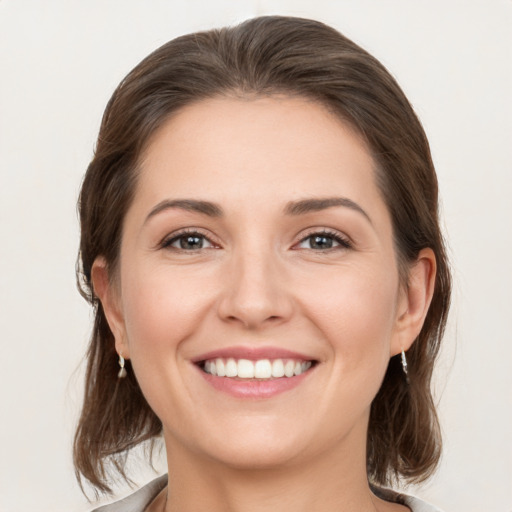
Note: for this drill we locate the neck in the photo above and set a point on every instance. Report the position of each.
(331, 482)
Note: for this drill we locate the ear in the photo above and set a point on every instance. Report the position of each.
(108, 294)
(414, 301)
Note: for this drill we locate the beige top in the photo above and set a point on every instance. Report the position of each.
(140, 499)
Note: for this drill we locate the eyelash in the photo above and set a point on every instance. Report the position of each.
(344, 243)
(167, 243)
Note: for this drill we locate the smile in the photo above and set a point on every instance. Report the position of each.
(262, 369)
(255, 372)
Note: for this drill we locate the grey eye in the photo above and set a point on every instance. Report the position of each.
(188, 242)
(321, 242)
(324, 241)
(191, 242)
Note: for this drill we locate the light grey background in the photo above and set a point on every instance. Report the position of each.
(60, 61)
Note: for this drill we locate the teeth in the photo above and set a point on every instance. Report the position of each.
(221, 369)
(278, 368)
(231, 368)
(261, 369)
(245, 369)
(288, 368)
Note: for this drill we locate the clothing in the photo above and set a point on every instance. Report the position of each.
(139, 500)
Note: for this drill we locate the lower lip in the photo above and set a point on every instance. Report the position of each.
(253, 388)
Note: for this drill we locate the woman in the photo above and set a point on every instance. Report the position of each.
(261, 244)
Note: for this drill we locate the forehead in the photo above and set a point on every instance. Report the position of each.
(232, 145)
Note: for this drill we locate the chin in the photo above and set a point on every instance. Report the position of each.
(255, 456)
(253, 447)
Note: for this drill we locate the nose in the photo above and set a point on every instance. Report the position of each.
(255, 291)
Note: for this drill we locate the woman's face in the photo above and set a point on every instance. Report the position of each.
(258, 245)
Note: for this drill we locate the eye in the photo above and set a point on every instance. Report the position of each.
(323, 241)
(188, 241)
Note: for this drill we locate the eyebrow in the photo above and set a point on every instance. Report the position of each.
(304, 206)
(190, 205)
(294, 208)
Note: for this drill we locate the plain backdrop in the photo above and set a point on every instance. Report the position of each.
(60, 61)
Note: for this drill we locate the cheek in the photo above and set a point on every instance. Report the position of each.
(161, 308)
(355, 312)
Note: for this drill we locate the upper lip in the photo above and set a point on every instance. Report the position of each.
(252, 354)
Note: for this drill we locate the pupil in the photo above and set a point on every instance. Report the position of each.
(321, 242)
(191, 242)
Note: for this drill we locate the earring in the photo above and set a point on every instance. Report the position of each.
(404, 364)
(122, 372)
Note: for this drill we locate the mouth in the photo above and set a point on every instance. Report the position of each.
(259, 370)
(254, 372)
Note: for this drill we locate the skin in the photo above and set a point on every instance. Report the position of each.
(259, 281)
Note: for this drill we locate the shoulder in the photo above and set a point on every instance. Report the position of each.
(414, 503)
(140, 499)
(417, 505)
(137, 501)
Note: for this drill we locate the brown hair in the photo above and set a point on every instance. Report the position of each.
(266, 55)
